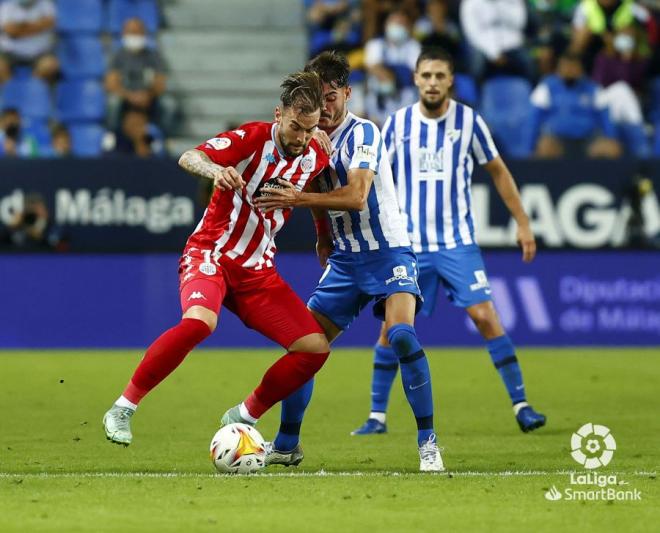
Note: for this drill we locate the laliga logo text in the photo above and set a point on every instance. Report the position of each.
(593, 446)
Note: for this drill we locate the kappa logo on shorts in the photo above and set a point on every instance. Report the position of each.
(208, 268)
(196, 295)
(401, 275)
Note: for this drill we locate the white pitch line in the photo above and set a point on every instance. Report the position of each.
(320, 473)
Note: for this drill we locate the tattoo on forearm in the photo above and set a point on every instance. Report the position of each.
(198, 164)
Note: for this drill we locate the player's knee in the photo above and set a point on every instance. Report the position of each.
(403, 339)
(205, 315)
(315, 343)
(485, 319)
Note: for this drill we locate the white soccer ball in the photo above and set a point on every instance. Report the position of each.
(238, 449)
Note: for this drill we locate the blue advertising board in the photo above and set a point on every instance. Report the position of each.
(133, 205)
(601, 298)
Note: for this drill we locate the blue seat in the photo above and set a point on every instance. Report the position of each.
(75, 16)
(465, 89)
(654, 99)
(80, 101)
(505, 107)
(656, 140)
(30, 97)
(634, 139)
(81, 57)
(87, 139)
(120, 10)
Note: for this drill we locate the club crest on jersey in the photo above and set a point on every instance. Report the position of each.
(307, 164)
(270, 158)
(208, 268)
(219, 143)
(453, 135)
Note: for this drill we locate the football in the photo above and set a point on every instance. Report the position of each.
(238, 449)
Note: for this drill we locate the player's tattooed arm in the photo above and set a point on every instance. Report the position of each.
(199, 164)
(350, 197)
(508, 191)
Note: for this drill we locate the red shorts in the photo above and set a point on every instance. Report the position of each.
(260, 298)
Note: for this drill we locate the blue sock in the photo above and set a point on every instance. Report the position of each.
(386, 364)
(503, 354)
(293, 411)
(415, 376)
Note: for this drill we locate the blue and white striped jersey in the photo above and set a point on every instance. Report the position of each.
(380, 225)
(432, 162)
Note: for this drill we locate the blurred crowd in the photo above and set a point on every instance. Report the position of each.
(552, 78)
(82, 78)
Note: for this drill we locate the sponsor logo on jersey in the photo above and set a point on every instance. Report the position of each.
(365, 153)
(401, 275)
(240, 133)
(219, 143)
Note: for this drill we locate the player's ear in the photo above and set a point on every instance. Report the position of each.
(349, 91)
(278, 114)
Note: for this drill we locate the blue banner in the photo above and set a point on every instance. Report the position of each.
(562, 298)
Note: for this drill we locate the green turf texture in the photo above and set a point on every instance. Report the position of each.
(58, 473)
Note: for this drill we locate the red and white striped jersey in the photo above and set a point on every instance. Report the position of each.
(232, 226)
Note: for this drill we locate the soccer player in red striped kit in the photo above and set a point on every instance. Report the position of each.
(228, 260)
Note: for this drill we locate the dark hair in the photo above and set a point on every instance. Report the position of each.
(435, 53)
(571, 56)
(302, 91)
(332, 67)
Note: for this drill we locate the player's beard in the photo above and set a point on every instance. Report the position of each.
(289, 148)
(434, 105)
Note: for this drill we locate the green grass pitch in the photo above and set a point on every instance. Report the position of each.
(58, 473)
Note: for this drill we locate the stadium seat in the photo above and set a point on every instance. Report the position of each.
(120, 10)
(81, 57)
(465, 89)
(656, 139)
(654, 99)
(505, 107)
(30, 97)
(39, 129)
(634, 139)
(76, 16)
(87, 139)
(80, 101)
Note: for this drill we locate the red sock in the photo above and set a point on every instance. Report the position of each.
(287, 375)
(164, 355)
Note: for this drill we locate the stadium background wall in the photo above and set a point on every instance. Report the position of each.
(568, 296)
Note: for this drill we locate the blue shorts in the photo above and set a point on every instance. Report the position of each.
(351, 280)
(460, 270)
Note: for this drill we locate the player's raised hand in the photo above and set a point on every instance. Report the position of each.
(325, 142)
(228, 178)
(281, 197)
(526, 241)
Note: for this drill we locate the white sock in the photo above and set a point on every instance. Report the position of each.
(122, 401)
(245, 414)
(518, 407)
(377, 416)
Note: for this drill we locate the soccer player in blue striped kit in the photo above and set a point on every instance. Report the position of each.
(368, 255)
(432, 145)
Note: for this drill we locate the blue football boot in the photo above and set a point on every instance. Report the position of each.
(371, 427)
(529, 420)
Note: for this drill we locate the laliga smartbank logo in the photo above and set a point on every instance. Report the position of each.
(593, 446)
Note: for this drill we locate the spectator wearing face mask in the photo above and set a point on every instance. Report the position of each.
(27, 38)
(14, 140)
(390, 62)
(570, 115)
(137, 79)
(495, 32)
(620, 60)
